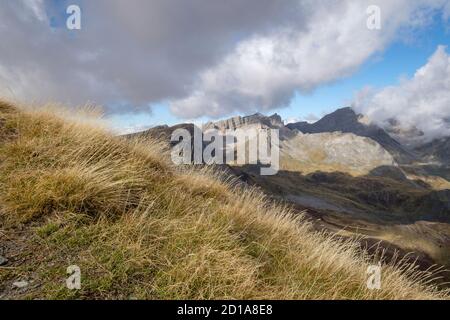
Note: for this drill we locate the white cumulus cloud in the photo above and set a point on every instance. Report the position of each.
(263, 72)
(422, 102)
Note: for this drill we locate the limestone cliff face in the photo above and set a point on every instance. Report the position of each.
(256, 119)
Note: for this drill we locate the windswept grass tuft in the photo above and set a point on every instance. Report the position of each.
(139, 227)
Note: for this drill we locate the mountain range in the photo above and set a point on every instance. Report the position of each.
(354, 178)
(348, 121)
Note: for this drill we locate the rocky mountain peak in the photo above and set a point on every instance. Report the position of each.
(257, 119)
(346, 120)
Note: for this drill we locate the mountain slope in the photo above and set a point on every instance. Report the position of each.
(346, 120)
(335, 151)
(436, 150)
(138, 227)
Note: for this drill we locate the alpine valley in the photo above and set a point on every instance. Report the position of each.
(355, 179)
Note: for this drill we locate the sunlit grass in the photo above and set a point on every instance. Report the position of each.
(139, 227)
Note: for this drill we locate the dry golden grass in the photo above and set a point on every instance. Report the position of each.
(140, 227)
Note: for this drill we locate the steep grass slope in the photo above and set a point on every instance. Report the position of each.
(138, 227)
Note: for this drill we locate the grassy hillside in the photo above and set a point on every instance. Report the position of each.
(138, 227)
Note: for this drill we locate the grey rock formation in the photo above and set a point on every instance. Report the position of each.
(3, 261)
(256, 120)
(346, 120)
(274, 121)
(20, 284)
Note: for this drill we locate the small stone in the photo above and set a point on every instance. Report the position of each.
(3, 261)
(20, 284)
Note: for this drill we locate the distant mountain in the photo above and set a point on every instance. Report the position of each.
(331, 143)
(327, 151)
(256, 120)
(347, 173)
(436, 150)
(163, 132)
(333, 151)
(239, 122)
(346, 120)
(408, 135)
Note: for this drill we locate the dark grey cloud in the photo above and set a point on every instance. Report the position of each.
(128, 52)
(201, 57)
